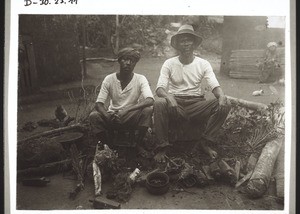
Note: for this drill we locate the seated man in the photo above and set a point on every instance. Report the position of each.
(183, 100)
(124, 89)
(270, 67)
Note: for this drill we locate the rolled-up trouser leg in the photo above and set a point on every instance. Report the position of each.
(161, 122)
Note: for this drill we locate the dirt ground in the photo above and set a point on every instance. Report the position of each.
(216, 196)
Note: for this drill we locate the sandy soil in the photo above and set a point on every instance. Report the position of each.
(217, 196)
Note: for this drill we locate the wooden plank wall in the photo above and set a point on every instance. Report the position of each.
(246, 33)
(244, 63)
(27, 67)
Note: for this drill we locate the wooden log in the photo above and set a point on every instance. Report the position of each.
(104, 203)
(247, 104)
(244, 179)
(47, 169)
(279, 174)
(206, 171)
(99, 59)
(252, 160)
(259, 181)
(237, 169)
(53, 131)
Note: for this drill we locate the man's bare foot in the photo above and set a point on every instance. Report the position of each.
(210, 152)
(160, 157)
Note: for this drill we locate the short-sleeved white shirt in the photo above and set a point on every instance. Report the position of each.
(120, 99)
(185, 80)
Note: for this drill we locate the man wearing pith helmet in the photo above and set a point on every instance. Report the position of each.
(124, 90)
(180, 97)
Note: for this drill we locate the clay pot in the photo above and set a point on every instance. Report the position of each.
(157, 183)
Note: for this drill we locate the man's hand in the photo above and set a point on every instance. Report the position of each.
(115, 118)
(172, 105)
(107, 116)
(219, 94)
(222, 101)
(122, 113)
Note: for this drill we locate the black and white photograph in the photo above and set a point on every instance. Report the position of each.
(129, 111)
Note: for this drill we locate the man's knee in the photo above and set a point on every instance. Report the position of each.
(224, 109)
(160, 103)
(147, 111)
(95, 117)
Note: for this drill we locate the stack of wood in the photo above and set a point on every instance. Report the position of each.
(263, 166)
(244, 63)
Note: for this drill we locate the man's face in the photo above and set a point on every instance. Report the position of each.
(185, 44)
(127, 64)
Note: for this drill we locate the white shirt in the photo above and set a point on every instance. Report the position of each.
(111, 88)
(185, 80)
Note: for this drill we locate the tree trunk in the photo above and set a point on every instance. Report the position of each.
(117, 34)
(260, 179)
(83, 50)
(247, 104)
(54, 131)
(47, 169)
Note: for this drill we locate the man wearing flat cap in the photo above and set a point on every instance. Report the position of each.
(124, 89)
(180, 97)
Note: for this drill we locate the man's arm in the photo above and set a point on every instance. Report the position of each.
(172, 104)
(102, 97)
(101, 109)
(219, 94)
(214, 84)
(161, 92)
(145, 103)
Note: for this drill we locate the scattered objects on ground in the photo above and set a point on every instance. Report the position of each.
(247, 158)
(104, 203)
(259, 181)
(157, 183)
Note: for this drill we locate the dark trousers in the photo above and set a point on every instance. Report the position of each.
(132, 120)
(195, 110)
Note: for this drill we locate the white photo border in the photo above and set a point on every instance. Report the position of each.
(154, 7)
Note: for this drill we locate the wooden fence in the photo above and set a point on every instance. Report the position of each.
(244, 63)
